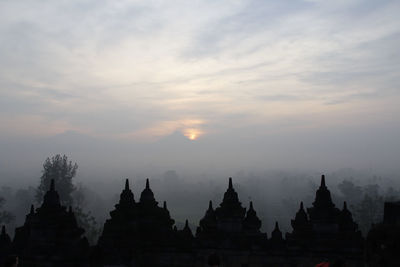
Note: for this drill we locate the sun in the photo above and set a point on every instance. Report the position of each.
(192, 134)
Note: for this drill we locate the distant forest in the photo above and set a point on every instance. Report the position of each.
(276, 195)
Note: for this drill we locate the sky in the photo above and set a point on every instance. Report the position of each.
(243, 84)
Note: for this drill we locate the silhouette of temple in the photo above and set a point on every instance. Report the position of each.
(142, 233)
(324, 230)
(50, 236)
(229, 226)
(5, 244)
(383, 240)
(136, 230)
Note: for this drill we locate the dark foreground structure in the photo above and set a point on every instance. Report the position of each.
(142, 234)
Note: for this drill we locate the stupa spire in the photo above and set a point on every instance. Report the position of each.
(276, 236)
(126, 197)
(323, 196)
(231, 206)
(323, 209)
(323, 181)
(209, 221)
(251, 205)
(251, 221)
(51, 198)
(147, 196)
(127, 184)
(187, 232)
(346, 222)
(301, 216)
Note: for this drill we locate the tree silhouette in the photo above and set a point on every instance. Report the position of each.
(352, 193)
(5, 216)
(62, 171)
(369, 211)
(85, 219)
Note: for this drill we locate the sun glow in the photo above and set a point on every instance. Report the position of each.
(192, 134)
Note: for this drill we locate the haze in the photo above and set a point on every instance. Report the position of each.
(136, 88)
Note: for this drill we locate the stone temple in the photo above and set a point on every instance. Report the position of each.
(5, 244)
(324, 231)
(50, 236)
(137, 231)
(383, 240)
(141, 233)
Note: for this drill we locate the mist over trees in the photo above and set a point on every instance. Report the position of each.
(367, 202)
(59, 169)
(276, 195)
(5, 216)
(62, 171)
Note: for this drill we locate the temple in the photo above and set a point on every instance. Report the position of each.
(50, 236)
(137, 231)
(383, 240)
(142, 233)
(325, 230)
(276, 242)
(5, 244)
(230, 225)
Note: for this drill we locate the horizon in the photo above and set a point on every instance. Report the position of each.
(251, 84)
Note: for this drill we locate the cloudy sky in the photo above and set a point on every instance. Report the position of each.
(299, 79)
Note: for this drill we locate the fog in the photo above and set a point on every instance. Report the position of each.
(187, 174)
(271, 93)
(275, 171)
(374, 149)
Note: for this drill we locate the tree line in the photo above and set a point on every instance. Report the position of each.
(62, 171)
(365, 202)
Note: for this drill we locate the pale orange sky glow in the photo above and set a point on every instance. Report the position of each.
(192, 134)
(227, 71)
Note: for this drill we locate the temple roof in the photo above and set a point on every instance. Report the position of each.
(209, 220)
(186, 231)
(230, 206)
(126, 197)
(346, 219)
(50, 232)
(323, 196)
(51, 198)
(251, 221)
(230, 195)
(276, 234)
(147, 196)
(301, 216)
(323, 209)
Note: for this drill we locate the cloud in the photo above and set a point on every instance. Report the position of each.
(134, 69)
